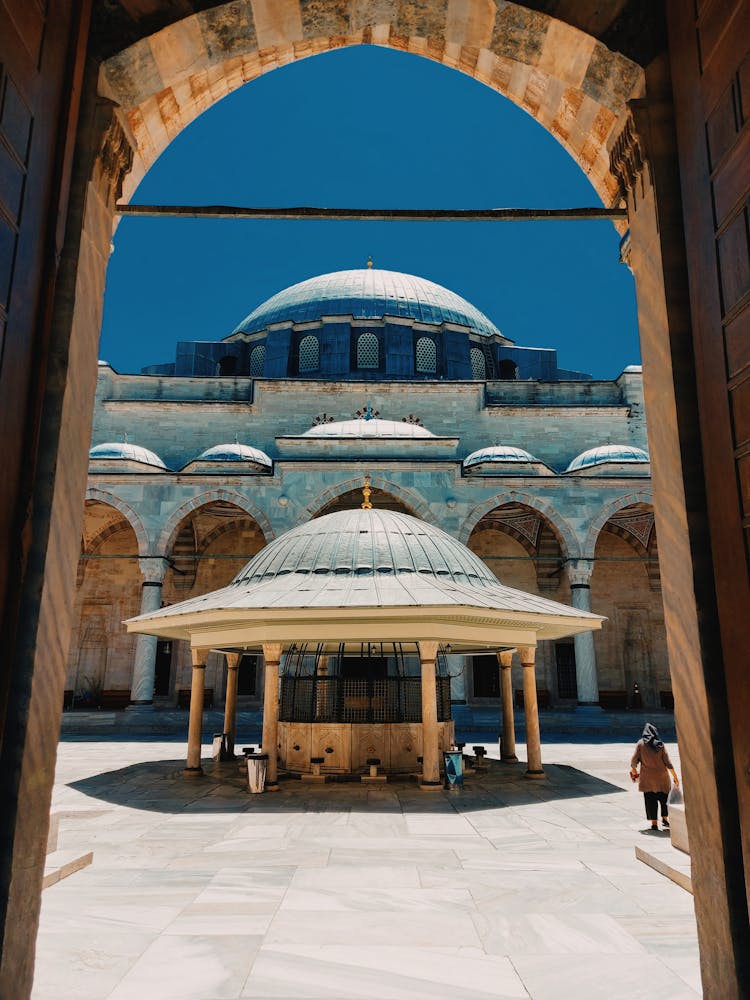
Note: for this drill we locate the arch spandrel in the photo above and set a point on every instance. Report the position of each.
(411, 500)
(567, 537)
(568, 81)
(130, 516)
(178, 515)
(609, 510)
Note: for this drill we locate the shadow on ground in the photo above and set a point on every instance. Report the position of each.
(159, 786)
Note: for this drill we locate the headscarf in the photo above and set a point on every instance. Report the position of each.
(651, 737)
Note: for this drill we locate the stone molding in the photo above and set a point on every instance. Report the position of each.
(628, 157)
(153, 569)
(606, 512)
(173, 521)
(569, 543)
(112, 500)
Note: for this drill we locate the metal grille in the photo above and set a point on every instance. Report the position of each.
(426, 355)
(257, 360)
(309, 354)
(337, 699)
(567, 685)
(478, 365)
(368, 351)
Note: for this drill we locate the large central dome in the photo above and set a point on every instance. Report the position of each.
(368, 293)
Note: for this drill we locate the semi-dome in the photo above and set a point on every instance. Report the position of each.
(373, 427)
(367, 293)
(126, 451)
(499, 453)
(617, 453)
(235, 452)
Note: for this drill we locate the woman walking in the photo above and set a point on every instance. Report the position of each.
(653, 779)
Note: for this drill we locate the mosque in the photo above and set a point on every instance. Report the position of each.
(198, 464)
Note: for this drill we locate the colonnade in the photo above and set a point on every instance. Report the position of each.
(430, 779)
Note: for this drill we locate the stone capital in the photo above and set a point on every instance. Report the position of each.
(153, 568)
(505, 658)
(199, 655)
(579, 572)
(527, 655)
(233, 660)
(428, 651)
(272, 652)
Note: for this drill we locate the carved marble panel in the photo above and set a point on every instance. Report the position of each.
(370, 741)
(296, 745)
(405, 745)
(333, 742)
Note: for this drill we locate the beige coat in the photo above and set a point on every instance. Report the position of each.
(654, 776)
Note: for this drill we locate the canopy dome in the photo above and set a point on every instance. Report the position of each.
(367, 293)
(608, 453)
(127, 452)
(372, 427)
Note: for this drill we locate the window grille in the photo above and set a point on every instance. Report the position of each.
(341, 699)
(257, 360)
(478, 365)
(368, 351)
(426, 355)
(309, 354)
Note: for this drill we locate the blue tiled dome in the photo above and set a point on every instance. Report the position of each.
(235, 453)
(608, 453)
(367, 293)
(114, 451)
(498, 453)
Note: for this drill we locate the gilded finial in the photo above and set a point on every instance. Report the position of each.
(369, 262)
(366, 493)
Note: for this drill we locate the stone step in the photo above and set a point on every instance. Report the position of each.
(60, 864)
(668, 861)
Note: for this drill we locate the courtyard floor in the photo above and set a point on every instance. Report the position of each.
(510, 888)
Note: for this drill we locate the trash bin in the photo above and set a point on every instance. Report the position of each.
(217, 745)
(256, 771)
(454, 769)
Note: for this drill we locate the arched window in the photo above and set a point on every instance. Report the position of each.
(478, 365)
(227, 365)
(309, 354)
(508, 370)
(425, 356)
(368, 351)
(257, 360)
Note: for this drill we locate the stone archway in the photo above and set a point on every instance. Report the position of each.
(567, 80)
(349, 494)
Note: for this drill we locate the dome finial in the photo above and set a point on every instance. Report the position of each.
(366, 493)
(369, 261)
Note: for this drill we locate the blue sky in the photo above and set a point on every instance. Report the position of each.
(368, 127)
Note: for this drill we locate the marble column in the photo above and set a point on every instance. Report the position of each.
(144, 661)
(230, 699)
(579, 574)
(508, 748)
(527, 655)
(430, 737)
(193, 767)
(270, 745)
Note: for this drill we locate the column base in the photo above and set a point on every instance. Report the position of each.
(535, 774)
(273, 787)
(140, 706)
(509, 759)
(431, 786)
(589, 706)
(192, 772)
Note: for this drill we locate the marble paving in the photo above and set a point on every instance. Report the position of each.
(510, 888)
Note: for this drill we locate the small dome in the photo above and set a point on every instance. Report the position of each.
(368, 293)
(125, 451)
(372, 428)
(235, 452)
(498, 453)
(608, 453)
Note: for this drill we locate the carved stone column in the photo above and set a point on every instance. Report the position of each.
(230, 699)
(508, 747)
(193, 767)
(587, 683)
(272, 657)
(144, 660)
(430, 738)
(527, 655)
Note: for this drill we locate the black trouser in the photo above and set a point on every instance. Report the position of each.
(653, 800)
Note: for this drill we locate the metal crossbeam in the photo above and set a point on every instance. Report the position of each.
(375, 214)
